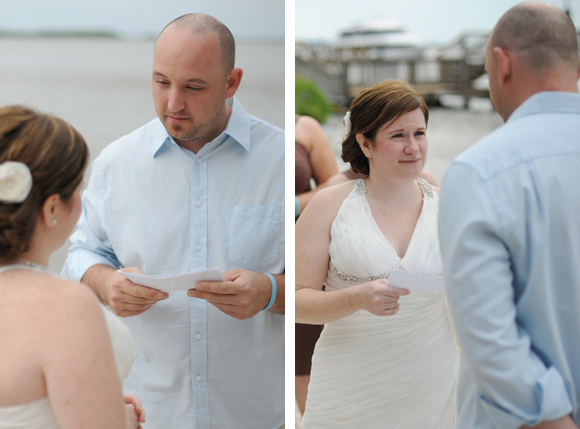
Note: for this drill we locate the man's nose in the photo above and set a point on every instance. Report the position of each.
(175, 102)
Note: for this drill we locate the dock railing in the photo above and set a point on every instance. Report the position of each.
(343, 72)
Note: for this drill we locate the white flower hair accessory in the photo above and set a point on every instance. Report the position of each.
(15, 182)
(346, 122)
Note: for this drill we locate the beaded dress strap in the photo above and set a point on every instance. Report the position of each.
(359, 185)
(426, 187)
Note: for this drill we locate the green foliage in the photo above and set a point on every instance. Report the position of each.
(311, 100)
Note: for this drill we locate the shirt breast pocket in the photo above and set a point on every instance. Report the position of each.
(254, 236)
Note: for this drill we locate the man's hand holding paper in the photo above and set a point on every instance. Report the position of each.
(243, 293)
(123, 296)
(175, 282)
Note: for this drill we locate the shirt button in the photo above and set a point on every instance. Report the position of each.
(198, 203)
(199, 160)
(198, 247)
(198, 336)
(198, 378)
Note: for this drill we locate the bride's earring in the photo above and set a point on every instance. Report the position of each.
(368, 154)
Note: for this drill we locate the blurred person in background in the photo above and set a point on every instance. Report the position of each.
(314, 160)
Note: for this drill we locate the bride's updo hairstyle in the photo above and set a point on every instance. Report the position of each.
(381, 103)
(55, 155)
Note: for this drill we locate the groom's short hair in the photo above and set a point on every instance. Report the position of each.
(201, 23)
(541, 34)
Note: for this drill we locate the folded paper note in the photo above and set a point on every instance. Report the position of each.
(416, 283)
(175, 282)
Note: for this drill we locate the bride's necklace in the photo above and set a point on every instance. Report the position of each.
(26, 265)
(35, 266)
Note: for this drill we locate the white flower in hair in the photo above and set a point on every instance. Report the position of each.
(15, 182)
(346, 122)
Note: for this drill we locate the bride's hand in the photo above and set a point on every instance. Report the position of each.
(131, 418)
(376, 298)
(134, 413)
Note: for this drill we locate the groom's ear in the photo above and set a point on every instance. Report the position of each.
(504, 59)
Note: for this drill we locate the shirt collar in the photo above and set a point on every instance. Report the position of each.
(547, 102)
(238, 128)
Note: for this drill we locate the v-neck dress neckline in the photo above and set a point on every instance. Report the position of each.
(377, 228)
(358, 229)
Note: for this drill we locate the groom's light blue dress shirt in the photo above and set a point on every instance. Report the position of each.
(154, 205)
(510, 239)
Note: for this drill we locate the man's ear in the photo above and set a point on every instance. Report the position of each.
(504, 61)
(233, 80)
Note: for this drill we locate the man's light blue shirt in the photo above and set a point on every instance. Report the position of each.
(154, 205)
(510, 239)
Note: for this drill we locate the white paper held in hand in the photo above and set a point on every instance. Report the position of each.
(175, 282)
(416, 283)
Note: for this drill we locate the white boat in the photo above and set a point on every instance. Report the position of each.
(377, 33)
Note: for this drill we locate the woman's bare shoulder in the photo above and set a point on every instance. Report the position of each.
(50, 313)
(43, 294)
(68, 293)
(319, 214)
(331, 197)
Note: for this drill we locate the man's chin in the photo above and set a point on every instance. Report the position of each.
(178, 133)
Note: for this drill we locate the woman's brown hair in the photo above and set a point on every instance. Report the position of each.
(377, 105)
(56, 155)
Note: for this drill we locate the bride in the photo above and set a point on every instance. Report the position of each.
(386, 358)
(61, 353)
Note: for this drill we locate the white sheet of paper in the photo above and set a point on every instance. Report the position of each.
(175, 282)
(416, 283)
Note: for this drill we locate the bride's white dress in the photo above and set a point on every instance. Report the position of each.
(395, 371)
(39, 414)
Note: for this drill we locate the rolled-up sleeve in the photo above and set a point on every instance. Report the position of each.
(90, 245)
(514, 386)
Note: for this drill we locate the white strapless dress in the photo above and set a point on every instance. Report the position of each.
(39, 414)
(384, 372)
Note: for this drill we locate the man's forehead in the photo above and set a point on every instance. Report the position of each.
(173, 34)
(185, 46)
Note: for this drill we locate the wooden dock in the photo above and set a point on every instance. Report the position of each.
(343, 72)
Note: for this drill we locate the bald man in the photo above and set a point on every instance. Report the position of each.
(202, 185)
(510, 233)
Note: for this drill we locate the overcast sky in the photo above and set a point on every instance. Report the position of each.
(436, 21)
(245, 18)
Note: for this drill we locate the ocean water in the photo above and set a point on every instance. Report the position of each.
(103, 86)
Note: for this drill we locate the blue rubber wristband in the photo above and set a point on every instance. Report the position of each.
(297, 211)
(274, 291)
